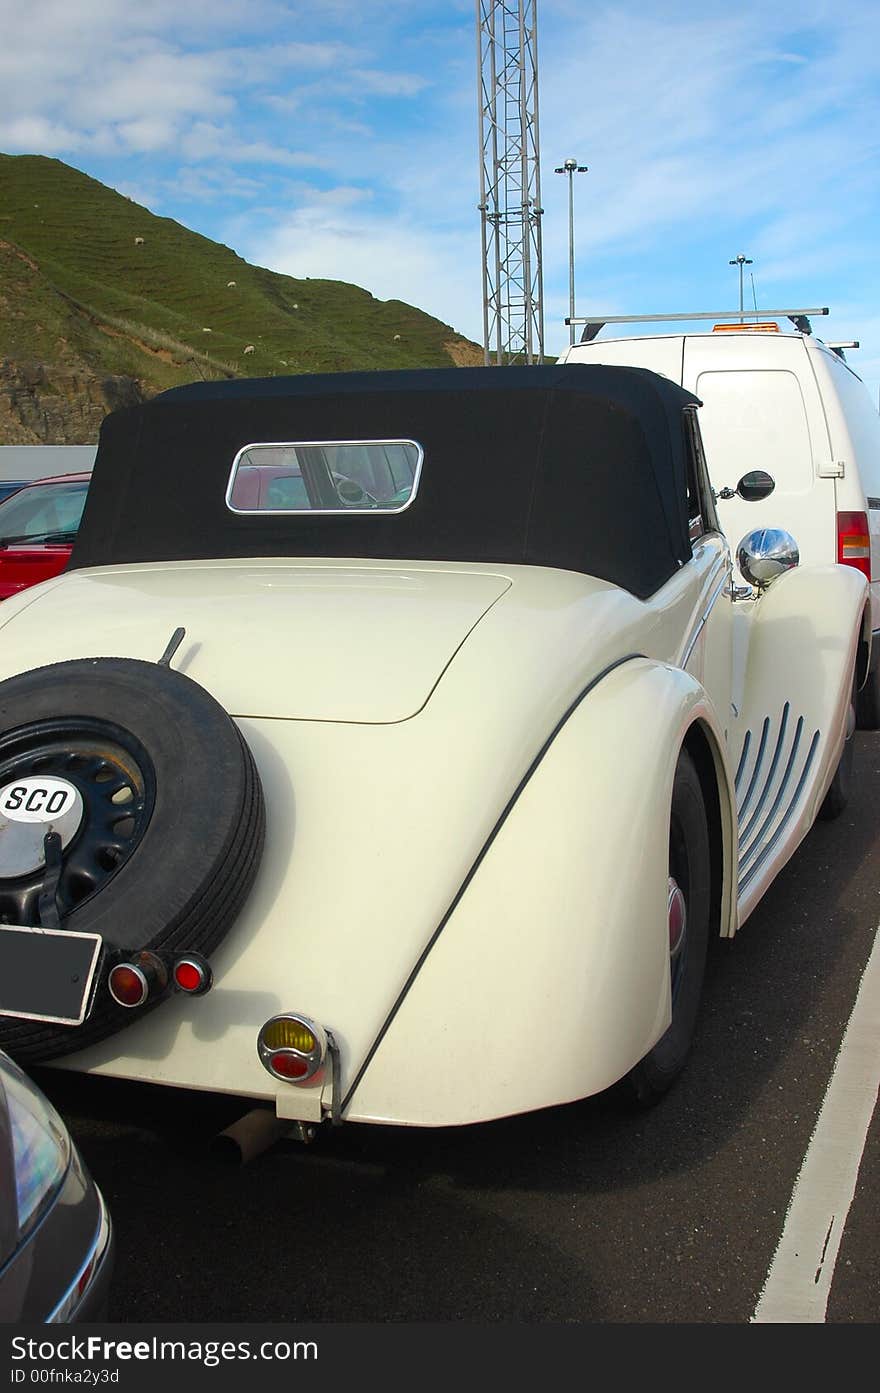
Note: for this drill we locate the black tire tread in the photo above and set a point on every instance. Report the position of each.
(654, 1075)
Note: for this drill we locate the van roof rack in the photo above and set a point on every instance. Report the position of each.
(595, 322)
(839, 347)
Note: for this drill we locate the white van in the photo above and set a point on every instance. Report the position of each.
(792, 440)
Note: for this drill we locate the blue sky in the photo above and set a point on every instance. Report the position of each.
(339, 139)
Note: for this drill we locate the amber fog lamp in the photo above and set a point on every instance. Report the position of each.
(131, 983)
(292, 1047)
(192, 975)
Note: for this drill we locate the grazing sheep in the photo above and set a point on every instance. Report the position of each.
(249, 348)
(229, 283)
(397, 338)
(139, 241)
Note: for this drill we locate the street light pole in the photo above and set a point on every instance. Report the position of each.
(741, 260)
(571, 168)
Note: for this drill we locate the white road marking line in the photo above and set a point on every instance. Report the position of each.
(799, 1280)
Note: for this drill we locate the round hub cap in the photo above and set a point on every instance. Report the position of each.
(30, 808)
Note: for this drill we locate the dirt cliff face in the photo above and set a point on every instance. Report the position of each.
(47, 405)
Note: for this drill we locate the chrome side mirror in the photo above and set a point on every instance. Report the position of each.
(766, 553)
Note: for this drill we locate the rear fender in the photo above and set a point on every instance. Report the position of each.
(550, 979)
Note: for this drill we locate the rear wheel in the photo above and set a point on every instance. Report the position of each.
(868, 703)
(839, 790)
(688, 912)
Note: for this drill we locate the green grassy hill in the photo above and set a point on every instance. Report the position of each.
(102, 302)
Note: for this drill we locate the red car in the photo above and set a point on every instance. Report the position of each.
(37, 526)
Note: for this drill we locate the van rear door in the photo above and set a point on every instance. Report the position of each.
(761, 411)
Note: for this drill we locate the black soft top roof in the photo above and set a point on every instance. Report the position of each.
(580, 467)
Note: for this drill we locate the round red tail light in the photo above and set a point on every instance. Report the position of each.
(131, 982)
(128, 985)
(192, 975)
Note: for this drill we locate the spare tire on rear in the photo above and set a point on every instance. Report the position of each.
(172, 824)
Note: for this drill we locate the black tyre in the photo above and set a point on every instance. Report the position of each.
(839, 790)
(690, 891)
(868, 703)
(172, 826)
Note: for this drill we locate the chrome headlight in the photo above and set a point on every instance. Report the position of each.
(40, 1146)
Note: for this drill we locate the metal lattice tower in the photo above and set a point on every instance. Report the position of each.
(510, 181)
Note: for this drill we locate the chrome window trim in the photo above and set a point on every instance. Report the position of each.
(342, 511)
(701, 622)
(694, 440)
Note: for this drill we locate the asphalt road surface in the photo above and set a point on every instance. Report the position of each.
(588, 1213)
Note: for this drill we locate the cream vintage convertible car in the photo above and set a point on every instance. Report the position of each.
(403, 738)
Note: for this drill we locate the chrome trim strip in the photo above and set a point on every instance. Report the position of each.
(766, 789)
(742, 759)
(719, 590)
(341, 511)
(753, 870)
(765, 731)
(746, 854)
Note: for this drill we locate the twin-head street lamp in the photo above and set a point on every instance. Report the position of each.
(571, 168)
(741, 260)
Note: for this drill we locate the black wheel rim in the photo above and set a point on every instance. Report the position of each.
(117, 783)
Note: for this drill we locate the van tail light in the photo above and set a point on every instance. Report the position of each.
(854, 542)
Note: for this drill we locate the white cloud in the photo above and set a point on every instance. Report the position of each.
(206, 142)
(312, 57)
(161, 82)
(368, 82)
(148, 133)
(707, 129)
(337, 237)
(24, 134)
(154, 76)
